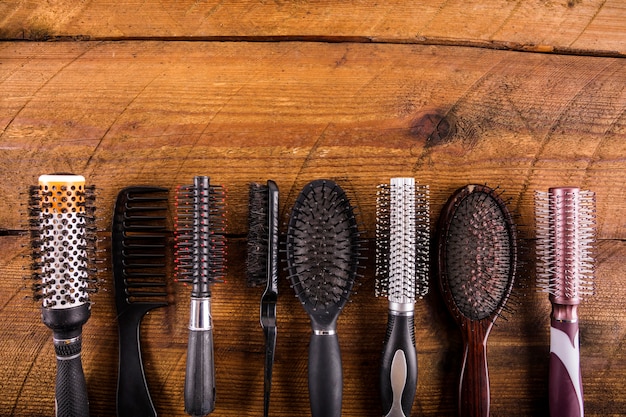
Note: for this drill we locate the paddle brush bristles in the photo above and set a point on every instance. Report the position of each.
(565, 220)
(402, 240)
(200, 241)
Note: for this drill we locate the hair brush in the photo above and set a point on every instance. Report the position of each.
(323, 249)
(402, 272)
(477, 261)
(565, 220)
(262, 268)
(138, 245)
(61, 219)
(200, 256)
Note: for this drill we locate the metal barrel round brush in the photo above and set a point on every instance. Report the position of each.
(477, 262)
(402, 272)
(565, 223)
(62, 242)
(262, 268)
(200, 257)
(323, 255)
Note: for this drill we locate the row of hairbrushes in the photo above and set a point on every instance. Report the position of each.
(476, 264)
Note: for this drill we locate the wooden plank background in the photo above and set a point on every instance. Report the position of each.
(449, 92)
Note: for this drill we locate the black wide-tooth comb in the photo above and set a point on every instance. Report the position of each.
(139, 242)
(323, 256)
(200, 258)
(63, 244)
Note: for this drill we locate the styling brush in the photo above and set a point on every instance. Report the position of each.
(477, 262)
(63, 239)
(323, 254)
(200, 257)
(565, 221)
(138, 251)
(262, 268)
(402, 272)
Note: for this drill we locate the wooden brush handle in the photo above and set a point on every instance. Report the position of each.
(474, 385)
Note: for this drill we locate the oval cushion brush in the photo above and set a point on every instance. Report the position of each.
(402, 248)
(323, 250)
(262, 268)
(138, 245)
(565, 221)
(200, 256)
(477, 261)
(62, 225)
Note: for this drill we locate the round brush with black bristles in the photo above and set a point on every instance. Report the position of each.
(200, 257)
(565, 221)
(61, 218)
(323, 255)
(402, 272)
(262, 268)
(477, 262)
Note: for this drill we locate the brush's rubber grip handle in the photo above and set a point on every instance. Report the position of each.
(565, 382)
(200, 373)
(325, 375)
(71, 388)
(474, 395)
(398, 373)
(133, 397)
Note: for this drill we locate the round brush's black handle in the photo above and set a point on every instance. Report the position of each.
(398, 372)
(200, 374)
(325, 375)
(71, 388)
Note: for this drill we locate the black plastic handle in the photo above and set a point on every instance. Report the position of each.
(200, 374)
(398, 371)
(133, 397)
(325, 375)
(71, 388)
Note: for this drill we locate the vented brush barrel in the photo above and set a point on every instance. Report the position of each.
(65, 274)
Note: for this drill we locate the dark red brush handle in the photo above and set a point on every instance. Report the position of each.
(565, 383)
(474, 384)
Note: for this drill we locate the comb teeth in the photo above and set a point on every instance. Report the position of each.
(61, 221)
(402, 240)
(200, 240)
(565, 222)
(139, 242)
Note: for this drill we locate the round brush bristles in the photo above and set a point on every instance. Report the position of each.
(63, 238)
(200, 242)
(402, 240)
(480, 253)
(565, 226)
(323, 246)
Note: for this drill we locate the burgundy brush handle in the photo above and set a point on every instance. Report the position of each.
(565, 383)
(474, 384)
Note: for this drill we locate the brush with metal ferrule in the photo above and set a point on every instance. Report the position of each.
(565, 220)
(402, 272)
(62, 240)
(200, 257)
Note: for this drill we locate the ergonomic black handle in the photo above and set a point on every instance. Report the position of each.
(71, 388)
(398, 371)
(325, 375)
(200, 374)
(133, 397)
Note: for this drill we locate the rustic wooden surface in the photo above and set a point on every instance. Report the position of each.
(448, 93)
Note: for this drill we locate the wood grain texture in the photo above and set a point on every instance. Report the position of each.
(157, 113)
(590, 27)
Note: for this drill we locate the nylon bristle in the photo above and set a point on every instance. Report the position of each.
(566, 236)
(62, 230)
(200, 235)
(258, 234)
(480, 254)
(323, 247)
(402, 240)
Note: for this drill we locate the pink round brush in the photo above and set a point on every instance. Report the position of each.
(565, 219)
